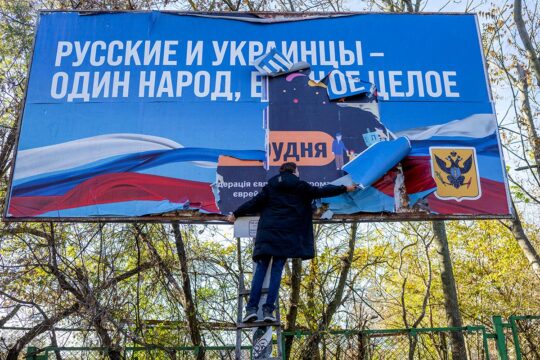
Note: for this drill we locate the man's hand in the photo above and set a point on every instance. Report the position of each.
(351, 188)
(231, 218)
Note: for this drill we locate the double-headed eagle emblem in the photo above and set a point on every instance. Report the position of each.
(455, 171)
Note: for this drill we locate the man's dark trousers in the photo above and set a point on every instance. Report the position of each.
(273, 287)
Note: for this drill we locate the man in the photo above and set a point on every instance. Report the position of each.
(285, 230)
(338, 147)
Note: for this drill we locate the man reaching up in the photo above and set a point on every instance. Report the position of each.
(285, 230)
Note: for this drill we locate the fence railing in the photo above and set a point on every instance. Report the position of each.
(517, 339)
(424, 343)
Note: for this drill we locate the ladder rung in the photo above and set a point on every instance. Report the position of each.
(256, 324)
(246, 291)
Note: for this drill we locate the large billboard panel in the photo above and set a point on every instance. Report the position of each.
(150, 115)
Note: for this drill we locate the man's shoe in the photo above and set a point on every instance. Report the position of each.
(268, 316)
(251, 315)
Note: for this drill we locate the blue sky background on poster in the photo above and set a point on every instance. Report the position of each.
(418, 56)
(83, 51)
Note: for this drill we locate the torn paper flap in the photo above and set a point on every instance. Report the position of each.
(371, 164)
(274, 63)
(344, 180)
(341, 86)
(327, 215)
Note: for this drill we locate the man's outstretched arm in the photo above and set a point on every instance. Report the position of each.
(315, 192)
(252, 206)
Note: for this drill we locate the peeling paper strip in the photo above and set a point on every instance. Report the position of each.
(270, 20)
(377, 160)
(341, 86)
(274, 63)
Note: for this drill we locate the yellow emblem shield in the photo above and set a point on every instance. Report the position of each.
(455, 171)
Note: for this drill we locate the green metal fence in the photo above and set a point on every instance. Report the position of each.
(517, 339)
(395, 344)
(526, 336)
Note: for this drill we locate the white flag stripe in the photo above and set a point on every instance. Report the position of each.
(77, 153)
(475, 126)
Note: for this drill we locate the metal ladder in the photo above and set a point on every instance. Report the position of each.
(262, 332)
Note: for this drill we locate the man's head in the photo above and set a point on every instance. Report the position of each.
(338, 136)
(289, 167)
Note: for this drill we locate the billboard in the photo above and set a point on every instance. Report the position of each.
(161, 115)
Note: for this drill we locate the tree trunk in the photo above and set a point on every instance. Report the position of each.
(526, 39)
(527, 119)
(524, 243)
(191, 311)
(312, 344)
(413, 341)
(296, 279)
(113, 350)
(453, 316)
(182, 293)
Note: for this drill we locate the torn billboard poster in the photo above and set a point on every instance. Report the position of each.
(132, 115)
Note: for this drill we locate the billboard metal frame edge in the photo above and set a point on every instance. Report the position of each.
(195, 217)
(219, 219)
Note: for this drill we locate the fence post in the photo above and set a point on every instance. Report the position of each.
(500, 337)
(515, 334)
(31, 354)
(283, 345)
(485, 342)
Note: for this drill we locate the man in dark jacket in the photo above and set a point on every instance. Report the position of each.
(285, 230)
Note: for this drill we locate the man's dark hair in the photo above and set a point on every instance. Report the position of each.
(287, 167)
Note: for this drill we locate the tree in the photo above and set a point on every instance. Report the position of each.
(520, 138)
